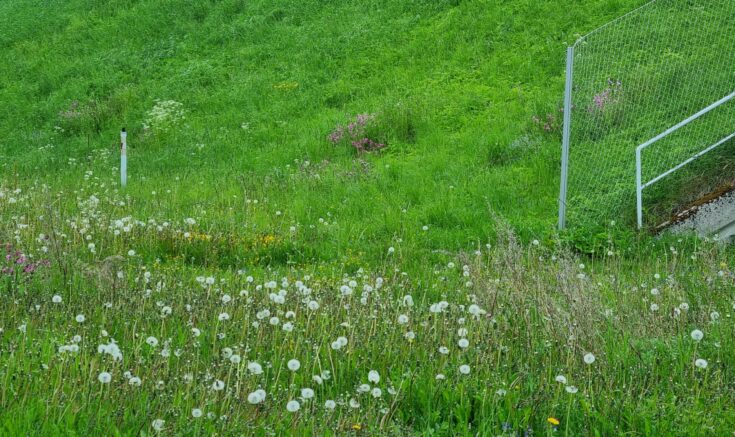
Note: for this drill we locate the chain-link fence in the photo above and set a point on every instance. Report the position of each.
(657, 84)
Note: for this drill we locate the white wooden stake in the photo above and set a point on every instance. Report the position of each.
(123, 158)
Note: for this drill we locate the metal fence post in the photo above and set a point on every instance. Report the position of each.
(565, 138)
(639, 187)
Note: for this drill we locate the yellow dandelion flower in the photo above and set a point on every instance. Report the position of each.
(553, 420)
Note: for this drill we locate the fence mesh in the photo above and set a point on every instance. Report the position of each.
(633, 79)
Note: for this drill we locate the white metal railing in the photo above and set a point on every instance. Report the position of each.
(638, 162)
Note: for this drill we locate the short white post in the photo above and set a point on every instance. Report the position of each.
(123, 158)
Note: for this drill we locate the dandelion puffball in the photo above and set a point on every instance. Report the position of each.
(293, 406)
(294, 365)
(589, 358)
(697, 335)
(374, 377)
(561, 379)
(104, 377)
(256, 397)
(464, 369)
(255, 368)
(701, 363)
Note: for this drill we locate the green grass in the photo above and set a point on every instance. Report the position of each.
(459, 207)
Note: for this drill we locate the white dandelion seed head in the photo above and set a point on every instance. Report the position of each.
(294, 365)
(307, 393)
(218, 385)
(373, 376)
(104, 377)
(464, 369)
(701, 363)
(571, 389)
(255, 368)
(293, 406)
(697, 335)
(589, 358)
(256, 397)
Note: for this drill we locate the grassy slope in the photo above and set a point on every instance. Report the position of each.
(463, 78)
(459, 83)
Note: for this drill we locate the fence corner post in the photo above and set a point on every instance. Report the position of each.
(639, 187)
(565, 138)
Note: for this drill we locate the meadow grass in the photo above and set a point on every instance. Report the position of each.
(421, 288)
